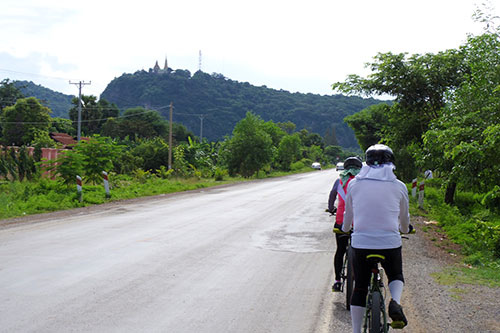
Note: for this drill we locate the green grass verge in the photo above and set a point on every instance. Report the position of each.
(44, 195)
(469, 224)
(453, 275)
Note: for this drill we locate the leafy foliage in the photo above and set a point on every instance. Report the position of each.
(93, 114)
(23, 119)
(250, 147)
(368, 124)
(9, 93)
(464, 142)
(87, 159)
(289, 151)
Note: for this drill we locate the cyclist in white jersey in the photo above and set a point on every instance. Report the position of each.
(377, 209)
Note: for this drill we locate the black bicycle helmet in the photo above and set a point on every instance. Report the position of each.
(379, 154)
(353, 162)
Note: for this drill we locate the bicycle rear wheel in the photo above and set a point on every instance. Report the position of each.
(349, 282)
(374, 325)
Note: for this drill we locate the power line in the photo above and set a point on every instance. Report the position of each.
(74, 121)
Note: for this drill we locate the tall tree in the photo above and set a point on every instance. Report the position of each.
(91, 115)
(9, 94)
(22, 120)
(419, 84)
(464, 142)
(368, 124)
(139, 122)
(331, 137)
(250, 147)
(289, 150)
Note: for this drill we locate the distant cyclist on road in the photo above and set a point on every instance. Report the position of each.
(352, 165)
(377, 209)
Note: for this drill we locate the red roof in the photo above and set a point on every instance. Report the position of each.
(65, 139)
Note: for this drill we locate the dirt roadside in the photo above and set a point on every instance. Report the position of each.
(433, 307)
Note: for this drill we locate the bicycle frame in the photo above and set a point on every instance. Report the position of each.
(346, 273)
(375, 319)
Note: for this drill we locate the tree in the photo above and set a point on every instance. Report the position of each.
(419, 84)
(463, 142)
(88, 159)
(250, 147)
(368, 124)
(142, 123)
(9, 94)
(62, 125)
(311, 139)
(91, 115)
(334, 153)
(331, 137)
(22, 120)
(315, 153)
(289, 150)
(94, 114)
(287, 126)
(111, 128)
(275, 132)
(154, 153)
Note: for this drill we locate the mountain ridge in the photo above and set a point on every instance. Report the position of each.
(222, 102)
(210, 105)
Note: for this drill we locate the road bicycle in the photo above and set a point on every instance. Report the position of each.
(375, 319)
(346, 274)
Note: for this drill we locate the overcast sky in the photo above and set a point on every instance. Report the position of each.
(299, 46)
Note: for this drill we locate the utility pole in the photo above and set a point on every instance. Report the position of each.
(80, 84)
(201, 126)
(170, 138)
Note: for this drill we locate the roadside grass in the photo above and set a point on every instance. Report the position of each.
(45, 195)
(26, 198)
(455, 274)
(470, 230)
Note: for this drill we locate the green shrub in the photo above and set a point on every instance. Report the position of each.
(467, 202)
(297, 166)
(220, 174)
(491, 200)
(142, 176)
(163, 172)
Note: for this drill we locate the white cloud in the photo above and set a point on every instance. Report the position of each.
(292, 45)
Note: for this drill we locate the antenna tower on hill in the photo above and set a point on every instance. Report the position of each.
(199, 61)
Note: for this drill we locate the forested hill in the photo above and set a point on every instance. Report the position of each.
(223, 102)
(58, 102)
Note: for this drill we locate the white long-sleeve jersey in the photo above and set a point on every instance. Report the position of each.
(377, 205)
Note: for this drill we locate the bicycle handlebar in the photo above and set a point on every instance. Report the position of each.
(340, 232)
(331, 212)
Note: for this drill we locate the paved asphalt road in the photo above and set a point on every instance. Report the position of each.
(253, 257)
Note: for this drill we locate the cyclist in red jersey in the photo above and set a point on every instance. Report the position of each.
(352, 165)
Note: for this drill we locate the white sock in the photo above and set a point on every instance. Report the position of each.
(396, 288)
(357, 314)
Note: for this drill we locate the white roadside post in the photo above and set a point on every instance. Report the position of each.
(414, 188)
(79, 188)
(421, 194)
(106, 184)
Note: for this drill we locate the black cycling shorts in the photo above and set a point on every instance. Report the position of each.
(393, 266)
